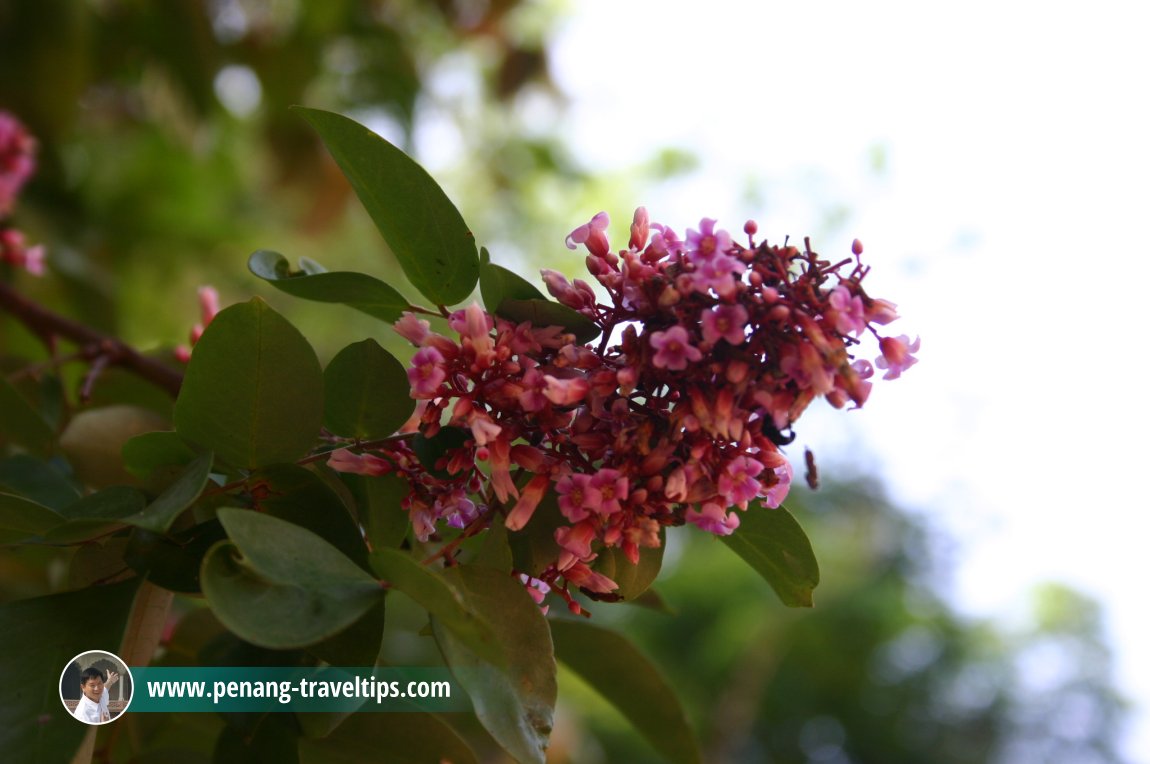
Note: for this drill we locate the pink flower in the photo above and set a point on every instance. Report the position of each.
(576, 542)
(412, 328)
(565, 392)
(613, 487)
(725, 322)
(426, 373)
(640, 227)
(593, 235)
(577, 497)
(714, 519)
(882, 312)
(896, 355)
(344, 460)
(737, 482)
(528, 501)
(585, 578)
(848, 312)
(706, 242)
(13, 251)
(718, 273)
(482, 428)
(774, 496)
(673, 349)
(17, 160)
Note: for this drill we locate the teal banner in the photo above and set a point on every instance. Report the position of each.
(327, 689)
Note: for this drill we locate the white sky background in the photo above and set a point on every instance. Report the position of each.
(1009, 226)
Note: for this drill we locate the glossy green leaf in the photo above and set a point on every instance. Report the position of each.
(543, 313)
(630, 682)
(24, 517)
(516, 704)
(167, 451)
(181, 494)
(534, 548)
(773, 543)
(40, 636)
(21, 422)
(399, 738)
(300, 496)
(253, 391)
(39, 481)
(366, 392)
(384, 519)
(432, 591)
(632, 579)
(280, 586)
(420, 224)
(111, 504)
(497, 284)
(366, 294)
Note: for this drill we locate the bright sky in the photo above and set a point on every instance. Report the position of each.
(1009, 225)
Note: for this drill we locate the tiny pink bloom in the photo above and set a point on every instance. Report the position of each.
(737, 483)
(209, 304)
(640, 227)
(613, 487)
(344, 460)
(593, 235)
(725, 322)
(483, 429)
(585, 578)
(499, 456)
(412, 328)
(34, 260)
(896, 355)
(849, 314)
(713, 519)
(565, 392)
(577, 497)
(707, 242)
(532, 494)
(774, 496)
(576, 542)
(426, 373)
(882, 312)
(673, 349)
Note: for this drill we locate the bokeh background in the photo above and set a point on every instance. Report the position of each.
(981, 523)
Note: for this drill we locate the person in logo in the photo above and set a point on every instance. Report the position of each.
(93, 706)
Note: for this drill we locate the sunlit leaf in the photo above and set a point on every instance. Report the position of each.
(433, 592)
(630, 682)
(516, 704)
(365, 293)
(420, 224)
(253, 391)
(366, 392)
(774, 544)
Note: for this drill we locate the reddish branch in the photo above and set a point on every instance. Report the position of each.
(100, 349)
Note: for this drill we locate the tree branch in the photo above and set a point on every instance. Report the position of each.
(95, 346)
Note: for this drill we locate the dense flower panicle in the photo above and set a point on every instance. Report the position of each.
(710, 351)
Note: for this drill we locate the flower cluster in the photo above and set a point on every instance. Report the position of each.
(17, 164)
(710, 351)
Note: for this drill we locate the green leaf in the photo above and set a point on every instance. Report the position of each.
(281, 586)
(497, 284)
(630, 682)
(111, 505)
(420, 224)
(159, 515)
(366, 294)
(21, 518)
(407, 738)
(253, 391)
(145, 454)
(495, 552)
(436, 595)
(534, 548)
(366, 392)
(633, 579)
(384, 519)
(40, 481)
(298, 495)
(21, 422)
(517, 704)
(40, 636)
(173, 562)
(543, 313)
(773, 543)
